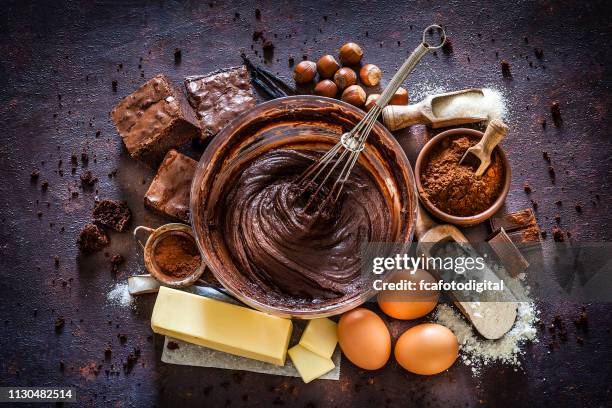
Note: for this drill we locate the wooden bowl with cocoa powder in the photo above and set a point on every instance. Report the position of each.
(452, 193)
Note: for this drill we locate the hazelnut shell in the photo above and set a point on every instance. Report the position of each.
(355, 95)
(400, 97)
(371, 100)
(345, 77)
(350, 54)
(327, 66)
(326, 88)
(304, 72)
(370, 75)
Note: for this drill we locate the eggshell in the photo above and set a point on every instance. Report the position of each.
(364, 339)
(409, 304)
(427, 349)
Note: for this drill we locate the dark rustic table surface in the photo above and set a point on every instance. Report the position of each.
(57, 63)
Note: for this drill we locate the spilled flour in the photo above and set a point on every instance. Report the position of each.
(119, 295)
(478, 352)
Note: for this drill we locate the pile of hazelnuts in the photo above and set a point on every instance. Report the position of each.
(334, 79)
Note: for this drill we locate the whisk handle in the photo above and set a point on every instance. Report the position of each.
(399, 77)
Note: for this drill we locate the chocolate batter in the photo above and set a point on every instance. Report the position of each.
(287, 250)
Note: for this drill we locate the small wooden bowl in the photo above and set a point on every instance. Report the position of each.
(453, 219)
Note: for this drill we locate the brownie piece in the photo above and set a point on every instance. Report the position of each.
(155, 119)
(169, 190)
(92, 239)
(112, 214)
(219, 97)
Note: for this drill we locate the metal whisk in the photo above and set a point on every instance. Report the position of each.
(344, 155)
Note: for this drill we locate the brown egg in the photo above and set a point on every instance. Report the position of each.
(409, 304)
(364, 338)
(427, 349)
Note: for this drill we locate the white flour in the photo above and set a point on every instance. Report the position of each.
(477, 352)
(119, 295)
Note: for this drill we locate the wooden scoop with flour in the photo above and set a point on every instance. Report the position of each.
(442, 110)
(490, 318)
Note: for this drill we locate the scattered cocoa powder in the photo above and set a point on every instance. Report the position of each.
(454, 188)
(177, 256)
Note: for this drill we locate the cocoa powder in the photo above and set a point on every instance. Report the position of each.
(177, 256)
(455, 189)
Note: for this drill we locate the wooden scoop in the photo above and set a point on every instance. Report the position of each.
(479, 155)
(490, 318)
(431, 111)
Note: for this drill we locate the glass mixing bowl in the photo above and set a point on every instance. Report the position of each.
(297, 122)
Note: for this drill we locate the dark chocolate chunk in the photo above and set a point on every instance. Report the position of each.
(177, 56)
(169, 190)
(447, 47)
(555, 110)
(539, 53)
(154, 119)
(172, 345)
(34, 175)
(113, 214)
(219, 97)
(92, 239)
(505, 67)
(521, 226)
(527, 188)
(44, 185)
(59, 324)
(558, 234)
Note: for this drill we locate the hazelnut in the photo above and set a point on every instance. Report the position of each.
(345, 77)
(326, 88)
(350, 54)
(327, 66)
(371, 101)
(304, 72)
(355, 95)
(370, 75)
(400, 97)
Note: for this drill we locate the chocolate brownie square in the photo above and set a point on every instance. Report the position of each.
(112, 214)
(219, 97)
(169, 190)
(154, 119)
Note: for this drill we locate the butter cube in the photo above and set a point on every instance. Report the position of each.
(309, 364)
(221, 326)
(320, 337)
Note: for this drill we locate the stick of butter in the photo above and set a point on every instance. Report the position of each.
(221, 326)
(309, 364)
(320, 337)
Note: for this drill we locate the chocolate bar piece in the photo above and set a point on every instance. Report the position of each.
(112, 214)
(155, 119)
(514, 221)
(169, 190)
(512, 259)
(219, 97)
